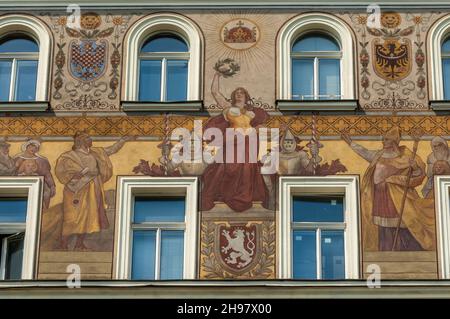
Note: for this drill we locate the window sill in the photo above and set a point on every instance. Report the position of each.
(317, 105)
(24, 106)
(184, 106)
(440, 105)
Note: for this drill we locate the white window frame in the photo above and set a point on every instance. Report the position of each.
(151, 26)
(442, 203)
(437, 34)
(318, 22)
(347, 186)
(127, 189)
(30, 188)
(163, 57)
(31, 26)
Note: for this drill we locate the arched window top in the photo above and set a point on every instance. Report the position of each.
(165, 43)
(315, 42)
(25, 46)
(152, 36)
(315, 32)
(446, 46)
(21, 43)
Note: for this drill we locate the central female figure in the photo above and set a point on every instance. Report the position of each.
(236, 184)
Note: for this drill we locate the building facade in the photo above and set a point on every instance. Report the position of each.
(211, 141)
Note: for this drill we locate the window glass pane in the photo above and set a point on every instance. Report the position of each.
(177, 71)
(315, 42)
(13, 210)
(5, 79)
(172, 254)
(14, 257)
(304, 254)
(168, 209)
(318, 209)
(150, 80)
(333, 262)
(165, 43)
(329, 78)
(446, 76)
(302, 79)
(446, 46)
(23, 44)
(26, 78)
(144, 248)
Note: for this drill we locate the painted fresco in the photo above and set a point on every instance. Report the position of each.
(396, 156)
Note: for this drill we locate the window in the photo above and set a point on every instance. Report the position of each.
(314, 49)
(316, 60)
(19, 208)
(157, 228)
(445, 53)
(318, 237)
(162, 60)
(163, 69)
(318, 228)
(25, 46)
(18, 68)
(158, 237)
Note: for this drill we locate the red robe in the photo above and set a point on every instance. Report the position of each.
(236, 184)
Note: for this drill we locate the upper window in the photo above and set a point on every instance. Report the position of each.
(445, 54)
(19, 56)
(24, 59)
(163, 69)
(162, 60)
(19, 208)
(316, 67)
(318, 228)
(313, 51)
(157, 228)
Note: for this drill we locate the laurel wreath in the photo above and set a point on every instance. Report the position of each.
(234, 67)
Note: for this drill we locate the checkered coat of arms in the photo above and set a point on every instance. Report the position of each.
(87, 60)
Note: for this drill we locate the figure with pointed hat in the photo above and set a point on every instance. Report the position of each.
(294, 160)
(391, 206)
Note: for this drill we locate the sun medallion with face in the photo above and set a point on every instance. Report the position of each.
(391, 20)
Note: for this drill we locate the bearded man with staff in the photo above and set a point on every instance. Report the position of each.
(394, 216)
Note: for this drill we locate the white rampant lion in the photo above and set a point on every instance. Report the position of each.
(236, 244)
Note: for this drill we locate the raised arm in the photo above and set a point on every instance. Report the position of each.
(118, 145)
(215, 91)
(368, 155)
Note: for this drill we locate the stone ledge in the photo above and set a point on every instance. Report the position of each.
(182, 106)
(317, 105)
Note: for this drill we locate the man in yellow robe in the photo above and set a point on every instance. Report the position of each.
(83, 171)
(382, 190)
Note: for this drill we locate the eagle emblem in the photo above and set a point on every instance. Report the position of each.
(87, 60)
(237, 246)
(392, 58)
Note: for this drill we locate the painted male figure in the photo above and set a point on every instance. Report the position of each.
(83, 171)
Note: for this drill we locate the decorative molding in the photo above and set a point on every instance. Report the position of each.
(442, 200)
(346, 185)
(153, 125)
(162, 22)
(127, 187)
(37, 29)
(305, 23)
(317, 105)
(23, 106)
(184, 106)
